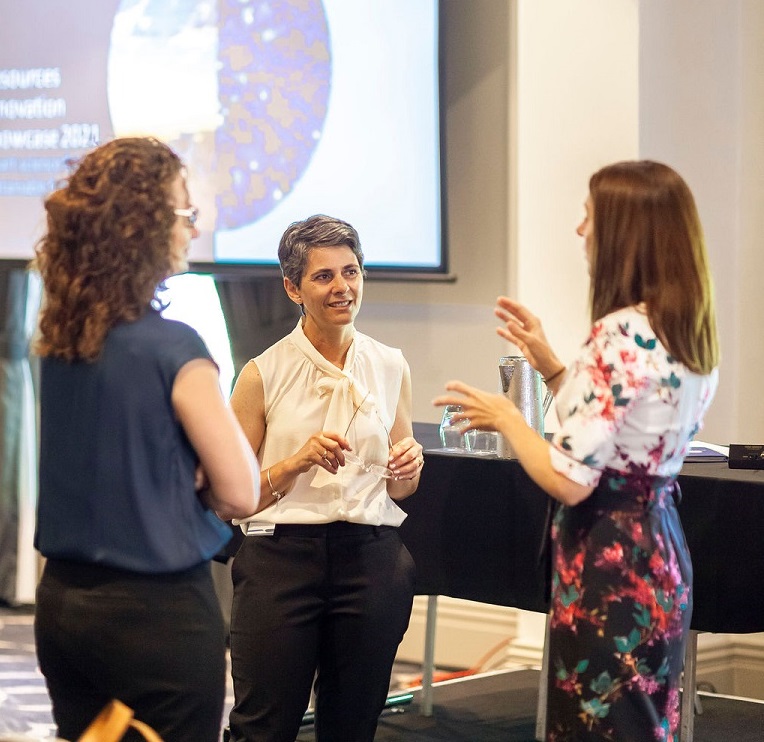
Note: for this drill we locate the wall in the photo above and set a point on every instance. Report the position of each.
(702, 110)
(576, 108)
(533, 88)
(682, 82)
(749, 338)
(702, 66)
(446, 330)
(531, 112)
(529, 101)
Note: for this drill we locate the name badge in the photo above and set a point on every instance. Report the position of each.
(255, 528)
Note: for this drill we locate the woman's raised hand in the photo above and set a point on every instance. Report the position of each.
(524, 329)
(480, 409)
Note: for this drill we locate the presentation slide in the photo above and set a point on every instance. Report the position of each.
(281, 109)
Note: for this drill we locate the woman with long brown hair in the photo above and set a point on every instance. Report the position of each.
(628, 407)
(133, 422)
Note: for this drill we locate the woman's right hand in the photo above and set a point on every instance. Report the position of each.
(524, 329)
(324, 449)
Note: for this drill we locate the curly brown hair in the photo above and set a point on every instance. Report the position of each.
(107, 245)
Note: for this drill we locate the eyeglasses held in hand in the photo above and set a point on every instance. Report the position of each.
(376, 469)
(350, 458)
(191, 213)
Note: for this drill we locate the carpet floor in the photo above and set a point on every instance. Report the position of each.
(494, 707)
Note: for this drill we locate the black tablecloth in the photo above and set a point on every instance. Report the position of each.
(475, 525)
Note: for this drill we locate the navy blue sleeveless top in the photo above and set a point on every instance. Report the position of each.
(116, 468)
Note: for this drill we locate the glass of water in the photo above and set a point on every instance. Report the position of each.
(483, 442)
(452, 431)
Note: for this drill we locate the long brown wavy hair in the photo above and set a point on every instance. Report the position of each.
(648, 246)
(107, 245)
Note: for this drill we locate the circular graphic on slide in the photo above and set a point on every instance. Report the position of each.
(239, 88)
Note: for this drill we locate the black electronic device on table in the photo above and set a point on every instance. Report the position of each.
(746, 456)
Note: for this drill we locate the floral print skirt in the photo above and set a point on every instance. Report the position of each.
(621, 609)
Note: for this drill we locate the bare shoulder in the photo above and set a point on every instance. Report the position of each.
(248, 390)
(250, 373)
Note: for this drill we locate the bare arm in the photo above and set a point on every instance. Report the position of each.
(406, 454)
(225, 457)
(496, 412)
(248, 404)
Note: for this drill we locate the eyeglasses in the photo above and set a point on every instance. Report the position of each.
(376, 469)
(191, 213)
(350, 458)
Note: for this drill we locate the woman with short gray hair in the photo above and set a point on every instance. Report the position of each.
(323, 585)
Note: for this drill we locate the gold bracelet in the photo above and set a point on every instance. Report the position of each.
(555, 375)
(276, 494)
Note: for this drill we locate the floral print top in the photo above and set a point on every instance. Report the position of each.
(625, 403)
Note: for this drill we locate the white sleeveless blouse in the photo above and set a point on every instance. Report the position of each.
(305, 394)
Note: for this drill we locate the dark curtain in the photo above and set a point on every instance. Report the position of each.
(257, 312)
(17, 461)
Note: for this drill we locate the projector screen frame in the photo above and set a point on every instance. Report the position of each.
(228, 270)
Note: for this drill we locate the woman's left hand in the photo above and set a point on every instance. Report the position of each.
(480, 410)
(406, 459)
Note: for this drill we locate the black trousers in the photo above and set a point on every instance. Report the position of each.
(325, 601)
(155, 642)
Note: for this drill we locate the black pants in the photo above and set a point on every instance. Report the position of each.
(155, 642)
(331, 601)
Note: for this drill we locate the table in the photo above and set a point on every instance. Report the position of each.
(475, 525)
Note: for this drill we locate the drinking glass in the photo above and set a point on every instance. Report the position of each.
(451, 431)
(483, 442)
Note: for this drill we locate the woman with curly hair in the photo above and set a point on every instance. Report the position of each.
(140, 457)
(628, 406)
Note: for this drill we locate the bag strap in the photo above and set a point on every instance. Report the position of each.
(113, 721)
(148, 733)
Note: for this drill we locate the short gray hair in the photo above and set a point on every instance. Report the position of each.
(315, 231)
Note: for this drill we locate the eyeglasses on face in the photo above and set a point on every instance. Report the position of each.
(191, 213)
